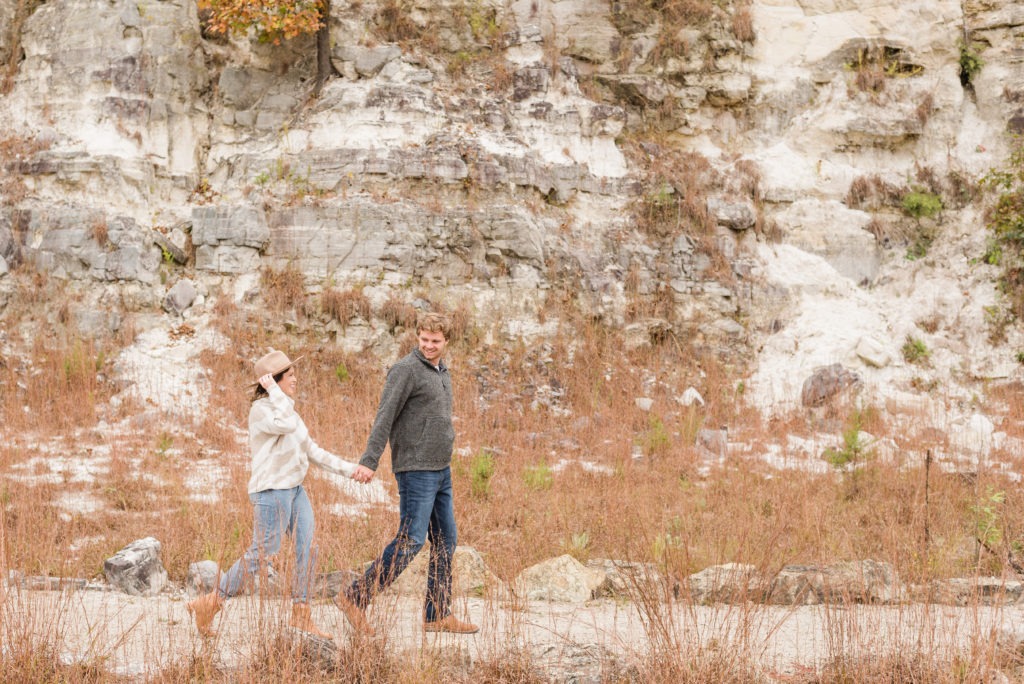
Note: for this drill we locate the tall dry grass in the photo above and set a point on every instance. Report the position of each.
(565, 443)
(564, 410)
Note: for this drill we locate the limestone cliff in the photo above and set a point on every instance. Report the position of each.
(742, 162)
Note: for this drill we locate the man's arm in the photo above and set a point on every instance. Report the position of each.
(396, 391)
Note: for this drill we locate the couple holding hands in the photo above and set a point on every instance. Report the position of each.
(415, 416)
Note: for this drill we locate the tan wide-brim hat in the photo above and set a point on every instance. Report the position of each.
(272, 363)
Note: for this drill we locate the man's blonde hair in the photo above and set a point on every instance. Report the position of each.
(433, 322)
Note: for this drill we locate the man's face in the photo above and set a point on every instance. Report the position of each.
(432, 345)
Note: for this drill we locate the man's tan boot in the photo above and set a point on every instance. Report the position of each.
(450, 624)
(204, 609)
(355, 615)
(301, 620)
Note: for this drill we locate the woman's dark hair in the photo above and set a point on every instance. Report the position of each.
(260, 392)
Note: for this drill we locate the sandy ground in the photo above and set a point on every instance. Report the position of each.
(135, 635)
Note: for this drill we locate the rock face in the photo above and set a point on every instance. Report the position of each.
(499, 151)
(137, 569)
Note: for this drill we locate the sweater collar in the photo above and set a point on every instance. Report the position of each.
(440, 364)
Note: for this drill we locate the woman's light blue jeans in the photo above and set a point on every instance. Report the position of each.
(276, 512)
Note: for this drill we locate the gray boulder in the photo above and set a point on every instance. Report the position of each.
(329, 584)
(180, 296)
(470, 575)
(137, 569)
(625, 579)
(727, 583)
(826, 383)
(559, 579)
(976, 591)
(202, 577)
(865, 581)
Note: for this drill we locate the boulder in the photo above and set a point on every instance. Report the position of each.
(367, 61)
(202, 577)
(873, 352)
(137, 569)
(826, 383)
(562, 579)
(736, 216)
(972, 434)
(728, 583)
(180, 296)
(866, 581)
(974, 591)
(575, 663)
(470, 575)
(328, 585)
(174, 244)
(644, 333)
(625, 579)
(690, 397)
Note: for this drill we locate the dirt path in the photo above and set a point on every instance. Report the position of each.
(135, 635)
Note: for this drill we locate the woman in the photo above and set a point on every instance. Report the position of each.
(281, 451)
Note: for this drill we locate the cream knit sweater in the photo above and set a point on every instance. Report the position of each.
(281, 446)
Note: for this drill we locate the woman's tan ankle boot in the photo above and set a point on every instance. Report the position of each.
(301, 620)
(204, 609)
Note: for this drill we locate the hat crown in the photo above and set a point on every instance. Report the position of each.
(272, 363)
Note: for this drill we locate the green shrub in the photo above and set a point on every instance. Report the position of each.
(853, 449)
(970, 64)
(578, 546)
(1006, 224)
(656, 440)
(915, 350)
(341, 372)
(538, 477)
(921, 204)
(481, 469)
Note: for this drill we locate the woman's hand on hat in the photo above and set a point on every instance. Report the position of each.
(267, 381)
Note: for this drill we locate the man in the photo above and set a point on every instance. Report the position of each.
(415, 417)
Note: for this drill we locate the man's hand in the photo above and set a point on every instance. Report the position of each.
(363, 474)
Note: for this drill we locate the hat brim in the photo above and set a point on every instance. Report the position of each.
(281, 370)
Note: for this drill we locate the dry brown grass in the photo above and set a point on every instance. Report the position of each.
(343, 306)
(284, 289)
(569, 400)
(542, 410)
(743, 24)
(873, 192)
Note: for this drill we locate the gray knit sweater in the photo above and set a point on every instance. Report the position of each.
(415, 416)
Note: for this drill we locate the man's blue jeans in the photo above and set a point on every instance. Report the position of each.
(276, 512)
(425, 513)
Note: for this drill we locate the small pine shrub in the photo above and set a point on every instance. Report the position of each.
(481, 470)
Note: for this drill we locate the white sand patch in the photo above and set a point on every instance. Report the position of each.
(82, 542)
(62, 469)
(78, 503)
(586, 466)
(163, 370)
(361, 496)
(205, 481)
(781, 458)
